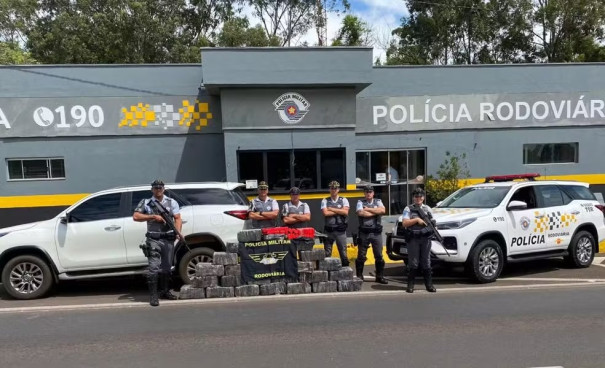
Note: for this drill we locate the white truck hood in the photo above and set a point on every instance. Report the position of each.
(18, 227)
(456, 214)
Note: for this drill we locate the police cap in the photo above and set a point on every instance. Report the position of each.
(418, 192)
(157, 183)
(263, 185)
(294, 190)
(368, 188)
(334, 184)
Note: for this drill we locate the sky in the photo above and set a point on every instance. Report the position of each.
(381, 15)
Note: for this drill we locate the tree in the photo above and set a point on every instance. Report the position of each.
(11, 53)
(569, 30)
(114, 31)
(353, 32)
(237, 33)
(448, 178)
(463, 32)
(499, 31)
(290, 19)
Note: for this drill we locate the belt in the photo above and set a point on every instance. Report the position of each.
(161, 235)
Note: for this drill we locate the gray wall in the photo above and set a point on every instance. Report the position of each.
(95, 163)
(253, 108)
(99, 80)
(497, 151)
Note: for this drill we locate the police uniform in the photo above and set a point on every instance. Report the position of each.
(300, 209)
(160, 245)
(269, 205)
(419, 247)
(370, 232)
(335, 228)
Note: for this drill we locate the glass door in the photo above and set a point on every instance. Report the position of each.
(394, 175)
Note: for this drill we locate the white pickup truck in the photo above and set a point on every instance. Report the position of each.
(505, 220)
(96, 237)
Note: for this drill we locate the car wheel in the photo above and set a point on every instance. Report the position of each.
(581, 250)
(27, 277)
(190, 261)
(486, 261)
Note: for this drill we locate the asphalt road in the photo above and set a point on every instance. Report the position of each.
(133, 289)
(558, 326)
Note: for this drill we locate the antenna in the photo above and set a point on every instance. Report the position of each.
(321, 24)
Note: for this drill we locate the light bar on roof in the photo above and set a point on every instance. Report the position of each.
(500, 178)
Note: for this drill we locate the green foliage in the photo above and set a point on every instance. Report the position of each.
(448, 179)
(11, 53)
(499, 31)
(237, 33)
(353, 32)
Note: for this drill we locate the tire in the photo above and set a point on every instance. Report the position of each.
(190, 260)
(27, 277)
(485, 261)
(581, 250)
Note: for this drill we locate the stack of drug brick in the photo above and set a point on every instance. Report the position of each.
(317, 274)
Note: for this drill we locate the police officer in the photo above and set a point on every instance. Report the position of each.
(296, 214)
(160, 240)
(418, 241)
(369, 211)
(336, 211)
(264, 210)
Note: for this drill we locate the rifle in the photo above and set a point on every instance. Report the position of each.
(430, 224)
(156, 205)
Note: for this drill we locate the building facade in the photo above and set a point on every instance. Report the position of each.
(292, 117)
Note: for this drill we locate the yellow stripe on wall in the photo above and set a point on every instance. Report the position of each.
(48, 200)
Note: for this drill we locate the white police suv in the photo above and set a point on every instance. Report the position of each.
(506, 220)
(96, 237)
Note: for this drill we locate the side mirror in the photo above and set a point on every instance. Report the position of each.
(438, 203)
(516, 205)
(65, 219)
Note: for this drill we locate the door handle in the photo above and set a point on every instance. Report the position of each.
(113, 228)
(576, 212)
(185, 221)
(540, 216)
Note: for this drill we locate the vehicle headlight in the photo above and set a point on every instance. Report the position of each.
(455, 224)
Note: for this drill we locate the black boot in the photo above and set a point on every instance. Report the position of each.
(345, 262)
(152, 282)
(380, 273)
(165, 288)
(428, 280)
(359, 269)
(411, 280)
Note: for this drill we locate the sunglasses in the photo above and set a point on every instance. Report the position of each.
(157, 187)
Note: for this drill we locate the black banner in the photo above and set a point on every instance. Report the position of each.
(268, 258)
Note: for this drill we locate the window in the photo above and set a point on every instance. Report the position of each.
(212, 196)
(550, 196)
(578, 192)
(36, 168)
(282, 169)
(103, 207)
(550, 153)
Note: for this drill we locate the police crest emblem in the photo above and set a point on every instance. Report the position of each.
(291, 107)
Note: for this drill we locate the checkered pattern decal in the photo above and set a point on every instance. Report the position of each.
(165, 116)
(553, 221)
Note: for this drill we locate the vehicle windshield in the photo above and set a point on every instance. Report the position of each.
(476, 197)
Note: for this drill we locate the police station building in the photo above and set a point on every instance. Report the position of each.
(292, 117)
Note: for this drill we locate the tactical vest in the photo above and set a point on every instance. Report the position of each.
(416, 230)
(154, 226)
(257, 206)
(338, 222)
(372, 224)
(289, 208)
